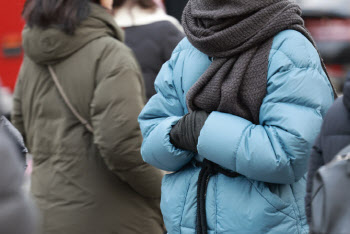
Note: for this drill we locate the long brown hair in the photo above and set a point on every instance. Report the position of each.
(65, 14)
(146, 4)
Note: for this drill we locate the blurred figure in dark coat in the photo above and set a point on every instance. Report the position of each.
(150, 33)
(16, 137)
(334, 136)
(17, 214)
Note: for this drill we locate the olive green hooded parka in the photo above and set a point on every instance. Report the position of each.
(86, 183)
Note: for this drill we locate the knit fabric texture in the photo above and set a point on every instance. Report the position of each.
(238, 35)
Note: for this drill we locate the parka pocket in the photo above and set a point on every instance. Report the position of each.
(278, 196)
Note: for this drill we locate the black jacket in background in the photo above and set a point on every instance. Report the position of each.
(175, 8)
(334, 136)
(152, 44)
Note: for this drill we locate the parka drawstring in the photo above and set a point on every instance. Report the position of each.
(208, 170)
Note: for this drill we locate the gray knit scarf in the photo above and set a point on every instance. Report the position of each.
(238, 35)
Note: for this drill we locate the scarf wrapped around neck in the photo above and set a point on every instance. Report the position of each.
(238, 36)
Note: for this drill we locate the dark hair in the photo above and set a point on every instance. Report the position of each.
(146, 4)
(65, 14)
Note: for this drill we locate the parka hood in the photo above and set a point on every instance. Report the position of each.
(49, 46)
(346, 91)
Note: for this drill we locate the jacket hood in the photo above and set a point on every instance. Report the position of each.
(346, 92)
(49, 46)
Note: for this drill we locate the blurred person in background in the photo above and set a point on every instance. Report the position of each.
(237, 109)
(17, 213)
(150, 33)
(87, 178)
(7, 128)
(334, 136)
(16, 137)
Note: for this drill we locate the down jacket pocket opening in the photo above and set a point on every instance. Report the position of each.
(272, 197)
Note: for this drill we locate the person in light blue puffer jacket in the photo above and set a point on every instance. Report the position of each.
(271, 156)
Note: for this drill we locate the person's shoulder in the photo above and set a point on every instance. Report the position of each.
(116, 52)
(164, 29)
(336, 122)
(337, 115)
(111, 43)
(185, 45)
(295, 50)
(187, 55)
(188, 60)
(165, 25)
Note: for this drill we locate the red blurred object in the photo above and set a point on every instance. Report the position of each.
(11, 53)
(336, 70)
(329, 29)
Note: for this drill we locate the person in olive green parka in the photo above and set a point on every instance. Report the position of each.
(85, 182)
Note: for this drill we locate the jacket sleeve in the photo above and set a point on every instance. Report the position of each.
(118, 100)
(157, 118)
(16, 137)
(315, 162)
(276, 150)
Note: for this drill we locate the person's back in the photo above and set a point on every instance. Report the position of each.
(150, 33)
(83, 182)
(334, 136)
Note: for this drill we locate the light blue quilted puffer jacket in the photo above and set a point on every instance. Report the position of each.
(271, 157)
